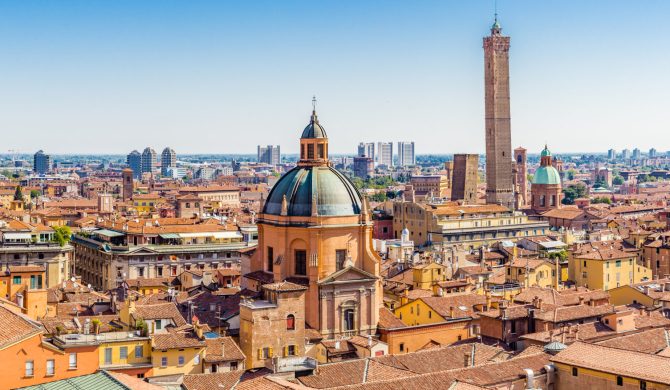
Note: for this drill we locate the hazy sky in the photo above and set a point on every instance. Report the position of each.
(223, 76)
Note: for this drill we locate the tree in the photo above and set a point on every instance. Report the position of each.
(62, 235)
(600, 183)
(560, 256)
(573, 192)
(378, 197)
(570, 175)
(18, 194)
(34, 194)
(602, 199)
(617, 181)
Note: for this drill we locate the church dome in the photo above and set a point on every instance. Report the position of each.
(333, 193)
(314, 129)
(546, 175)
(545, 152)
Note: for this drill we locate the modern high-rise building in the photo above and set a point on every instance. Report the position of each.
(652, 153)
(625, 154)
(406, 154)
(367, 149)
(521, 172)
(148, 160)
(637, 154)
(134, 161)
(499, 186)
(385, 153)
(41, 162)
(464, 178)
(611, 154)
(269, 154)
(168, 161)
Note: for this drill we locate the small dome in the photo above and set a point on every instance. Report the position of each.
(545, 152)
(546, 175)
(314, 129)
(335, 194)
(554, 347)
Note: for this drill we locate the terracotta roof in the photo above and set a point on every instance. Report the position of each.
(217, 380)
(462, 304)
(222, 349)
(148, 282)
(651, 341)
(159, 311)
(284, 287)
(352, 372)
(561, 297)
(616, 361)
(567, 313)
(527, 262)
(388, 320)
(15, 327)
(176, 339)
(25, 268)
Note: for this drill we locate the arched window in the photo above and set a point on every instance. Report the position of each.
(349, 319)
(290, 322)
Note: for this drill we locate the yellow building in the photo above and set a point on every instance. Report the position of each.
(531, 272)
(432, 310)
(425, 276)
(178, 352)
(606, 265)
(649, 293)
(146, 203)
(471, 225)
(126, 352)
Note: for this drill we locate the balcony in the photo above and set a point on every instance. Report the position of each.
(76, 339)
(294, 364)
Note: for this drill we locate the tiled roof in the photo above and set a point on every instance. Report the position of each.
(13, 269)
(159, 311)
(559, 298)
(568, 313)
(651, 341)
(223, 349)
(352, 372)
(15, 327)
(284, 287)
(637, 365)
(176, 339)
(388, 320)
(462, 305)
(218, 380)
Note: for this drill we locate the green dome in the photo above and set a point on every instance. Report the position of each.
(545, 152)
(334, 194)
(314, 129)
(546, 175)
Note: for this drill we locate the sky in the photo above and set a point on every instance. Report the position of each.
(224, 76)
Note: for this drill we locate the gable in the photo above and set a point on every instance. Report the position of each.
(349, 274)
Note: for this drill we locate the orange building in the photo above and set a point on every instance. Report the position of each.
(24, 286)
(315, 230)
(29, 359)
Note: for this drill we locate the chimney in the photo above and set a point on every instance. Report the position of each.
(488, 301)
(369, 341)
(467, 359)
(581, 300)
(337, 344)
(451, 311)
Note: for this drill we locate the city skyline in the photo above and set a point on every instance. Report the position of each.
(137, 74)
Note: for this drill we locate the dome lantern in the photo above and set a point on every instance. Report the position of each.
(313, 142)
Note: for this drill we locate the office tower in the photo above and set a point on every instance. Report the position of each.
(499, 187)
(148, 160)
(269, 154)
(464, 178)
(134, 161)
(406, 154)
(364, 167)
(625, 154)
(611, 154)
(385, 153)
(41, 162)
(652, 153)
(367, 149)
(128, 184)
(521, 172)
(168, 161)
(636, 154)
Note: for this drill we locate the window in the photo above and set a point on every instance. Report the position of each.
(618, 263)
(584, 263)
(290, 350)
(270, 258)
(51, 367)
(402, 347)
(290, 322)
(139, 351)
(340, 258)
(73, 360)
(643, 385)
(123, 353)
(108, 356)
(159, 271)
(30, 368)
(266, 353)
(574, 371)
(159, 324)
(16, 280)
(140, 272)
(300, 262)
(619, 380)
(430, 314)
(349, 319)
(180, 360)
(164, 361)
(321, 150)
(196, 359)
(310, 151)
(233, 366)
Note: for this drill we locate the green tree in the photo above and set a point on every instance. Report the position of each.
(34, 194)
(617, 181)
(570, 175)
(561, 255)
(378, 197)
(573, 192)
(602, 199)
(62, 235)
(18, 194)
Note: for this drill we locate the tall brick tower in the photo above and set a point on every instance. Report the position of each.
(521, 172)
(499, 187)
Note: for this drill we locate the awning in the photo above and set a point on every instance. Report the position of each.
(169, 236)
(234, 234)
(16, 236)
(108, 233)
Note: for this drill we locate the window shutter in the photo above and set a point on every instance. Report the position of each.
(260, 353)
(270, 354)
(285, 351)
